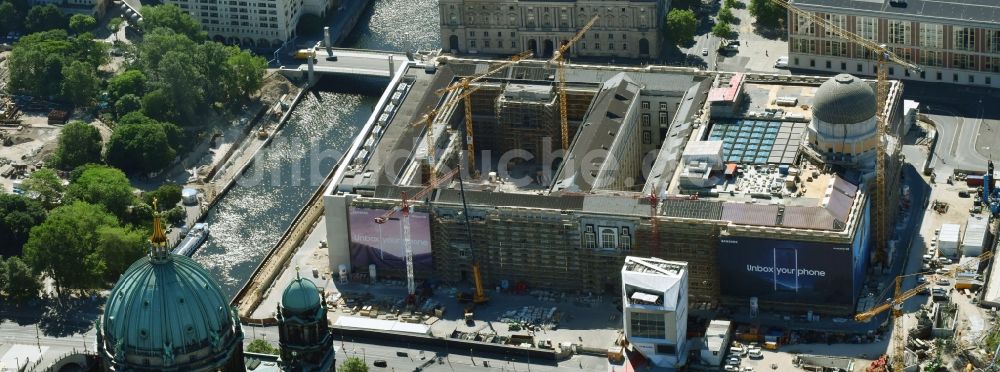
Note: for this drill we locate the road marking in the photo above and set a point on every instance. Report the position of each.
(958, 134)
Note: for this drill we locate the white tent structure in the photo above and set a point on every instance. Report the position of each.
(654, 293)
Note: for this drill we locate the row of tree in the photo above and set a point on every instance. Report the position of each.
(16, 16)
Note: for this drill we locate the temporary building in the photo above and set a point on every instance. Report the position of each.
(975, 236)
(948, 240)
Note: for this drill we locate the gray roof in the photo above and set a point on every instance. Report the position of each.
(941, 11)
(698, 209)
(844, 99)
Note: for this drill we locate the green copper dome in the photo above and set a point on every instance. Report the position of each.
(167, 313)
(300, 296)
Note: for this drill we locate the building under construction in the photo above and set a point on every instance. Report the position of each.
(760, 182)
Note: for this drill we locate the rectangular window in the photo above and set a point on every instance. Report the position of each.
(859, 67)
(607, 238)
(992, 64)
(993, 41)
(865, 27)
(648, 325)
(838, 20)
(589, 237)
(989, 81)
(931, 35)
(965, 38)
(472, 43)
(899, 32)
(486, 44)
(843, 66)
(663, 106)
(931, 58)
(804, 26)
(647, 137)
(835, 48)
(645, 105)
(645, 120)
(663, 117)
(972, 79)
(964, 61)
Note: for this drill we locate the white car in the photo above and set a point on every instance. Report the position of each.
(782, 62)
(704, 51)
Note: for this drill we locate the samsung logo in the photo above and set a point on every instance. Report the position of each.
(729, 241)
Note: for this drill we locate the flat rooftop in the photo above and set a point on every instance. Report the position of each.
(940, 11)
(759, 138)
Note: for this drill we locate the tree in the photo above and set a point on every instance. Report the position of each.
(115, 24)
(18, 215)
(129, 82)
(729, 4)
(64, 247)
(79, 144)
(212, 61)
(81, 23)
(46, 184)
(10, 20)
(80, 83)
(261, 346)
(140, 148)
(354, 364)
(43, 18)
(182, 83)
(167, 195)
(172, 17)
(36, 65)
(767, 13)
(246, 74)
(119, 247)
(722, 30)
(156, 104)
(126, 104)
(726, 15)
(681, 25)
(104, 186)
(18, 281)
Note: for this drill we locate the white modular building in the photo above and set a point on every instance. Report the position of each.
(716, 341)
(948, 240)
(975, 236)
(654, 292)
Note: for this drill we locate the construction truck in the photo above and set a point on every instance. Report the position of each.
(303, 54)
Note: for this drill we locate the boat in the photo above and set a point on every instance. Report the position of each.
(193, 239)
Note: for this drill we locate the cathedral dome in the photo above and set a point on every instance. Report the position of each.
(844, 99)
(167, 313)
(300, 296)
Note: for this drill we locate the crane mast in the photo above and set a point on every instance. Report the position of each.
(464, 84)
(404, 209)
(559, 59)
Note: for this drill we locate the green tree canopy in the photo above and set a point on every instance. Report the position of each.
(43, 18)
(140, 148)
(79, 144)
(119, 247)
(10, 19)
(261, 346)
(80, 83)
(681, 25)
(767, 13)
(726, 15)
(81, 23)
(104, 186)
(18, 215)
(172, 17)
(181, 81)
(65, 246)
(722, 30)
(245, 74)
(156, 104)
(167, 195)
(129, 82)
(46, 184)
(353, 364)
(127, 104)
(115, 24)
(18, 281)
(36, 65)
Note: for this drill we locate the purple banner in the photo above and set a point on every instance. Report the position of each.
(382, 244)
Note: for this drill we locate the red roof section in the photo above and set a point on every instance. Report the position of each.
(727, 93)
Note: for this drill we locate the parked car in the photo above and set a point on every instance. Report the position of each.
(756, 353)
(380, 363)
(782, 62)
(704, 51)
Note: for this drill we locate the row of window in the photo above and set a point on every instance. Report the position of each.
(931, 58)
(645, 105)
(929, 35)
(609, 238)
(939, 76)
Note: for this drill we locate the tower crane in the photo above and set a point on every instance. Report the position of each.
(559, 59)
(898, 342)
(464, 83)
(404, 208)
(885, 56)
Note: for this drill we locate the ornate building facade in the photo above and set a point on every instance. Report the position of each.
(303, 331)
(624, 28)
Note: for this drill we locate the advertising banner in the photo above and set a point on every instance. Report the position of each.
(786, 271)
(382, 244)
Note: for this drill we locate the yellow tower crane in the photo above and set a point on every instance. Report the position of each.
(559, 59)
(464, 84)
(884, 56)
(898, 341)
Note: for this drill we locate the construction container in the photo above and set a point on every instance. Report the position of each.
(975, 236)
(948, 240)
(974, 180)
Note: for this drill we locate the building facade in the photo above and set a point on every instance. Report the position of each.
(627, 29)
(252, 24)
(654, 314)
(958, 43)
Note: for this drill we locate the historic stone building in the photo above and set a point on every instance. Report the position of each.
(626, 29)
(252, 24)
